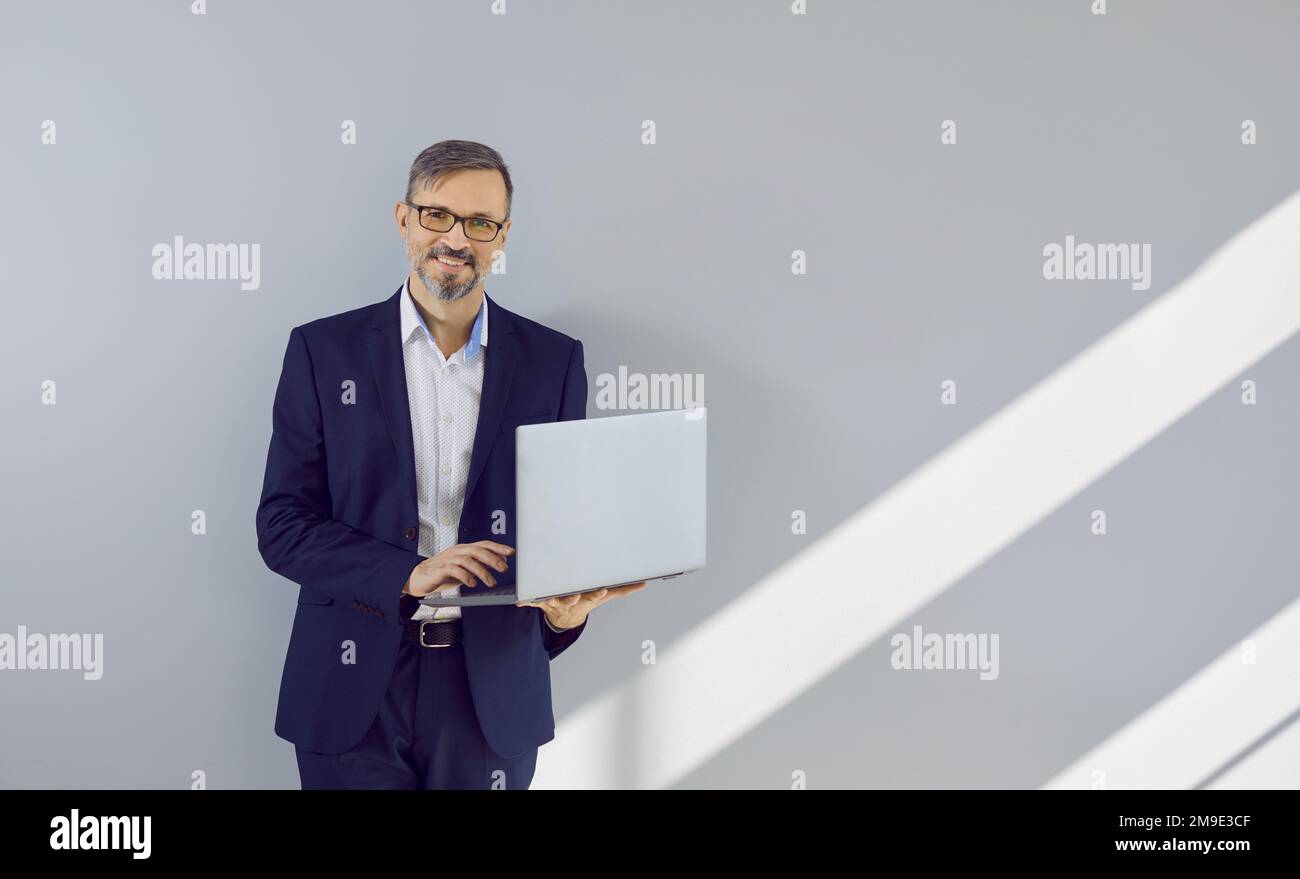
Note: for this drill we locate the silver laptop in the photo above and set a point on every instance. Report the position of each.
(602, 502)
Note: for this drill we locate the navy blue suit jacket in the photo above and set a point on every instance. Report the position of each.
(338, 516)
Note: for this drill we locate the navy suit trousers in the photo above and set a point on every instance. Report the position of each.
(426, 735)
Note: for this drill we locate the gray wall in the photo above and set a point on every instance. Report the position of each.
(775, 132)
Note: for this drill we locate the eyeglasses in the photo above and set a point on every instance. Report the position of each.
(438, 220)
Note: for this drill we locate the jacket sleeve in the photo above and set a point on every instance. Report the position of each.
(296, 535)
(573, 406)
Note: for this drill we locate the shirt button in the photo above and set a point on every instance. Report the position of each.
(446, 370)
(446, 520)
(446, 470)
(411, 533)
(447, 417)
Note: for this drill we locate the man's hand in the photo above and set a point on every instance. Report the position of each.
(568, 611)
(456, 565)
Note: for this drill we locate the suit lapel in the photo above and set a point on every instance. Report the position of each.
(499, 369)
(389, 368)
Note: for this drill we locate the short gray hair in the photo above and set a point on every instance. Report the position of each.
(454, 155)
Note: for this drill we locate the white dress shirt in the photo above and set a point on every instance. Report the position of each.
(443, 393)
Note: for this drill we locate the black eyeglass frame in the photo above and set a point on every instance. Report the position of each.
(455, 218)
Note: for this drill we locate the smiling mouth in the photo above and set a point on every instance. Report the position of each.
(452, 267)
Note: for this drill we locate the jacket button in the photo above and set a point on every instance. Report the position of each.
(411, 533)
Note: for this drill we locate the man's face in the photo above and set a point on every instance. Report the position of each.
(468, 193)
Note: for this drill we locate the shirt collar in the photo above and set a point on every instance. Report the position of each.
(412, 321)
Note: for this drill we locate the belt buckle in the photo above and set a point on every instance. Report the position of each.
(424, 623)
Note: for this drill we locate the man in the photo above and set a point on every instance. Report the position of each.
(390, 475)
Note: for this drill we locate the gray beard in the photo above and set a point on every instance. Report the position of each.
(443, 291)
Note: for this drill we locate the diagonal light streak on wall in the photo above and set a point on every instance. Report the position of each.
(1208, 720)
(1272, 766)
(720, 680)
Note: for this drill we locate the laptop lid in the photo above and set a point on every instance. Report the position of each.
(609, 501)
